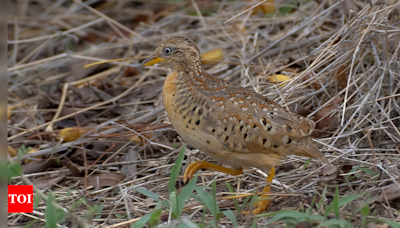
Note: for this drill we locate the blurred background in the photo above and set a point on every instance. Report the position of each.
(96, 142)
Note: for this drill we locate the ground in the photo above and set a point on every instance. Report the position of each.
(99, 141)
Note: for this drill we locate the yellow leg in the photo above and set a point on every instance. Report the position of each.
(263, 202)
(192, 168)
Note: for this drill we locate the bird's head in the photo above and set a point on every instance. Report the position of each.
(177, 53)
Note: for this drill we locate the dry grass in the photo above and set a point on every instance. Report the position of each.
(344, 63)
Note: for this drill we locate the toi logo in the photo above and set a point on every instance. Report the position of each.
(20, 198)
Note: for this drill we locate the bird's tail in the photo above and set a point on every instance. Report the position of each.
(307, 148)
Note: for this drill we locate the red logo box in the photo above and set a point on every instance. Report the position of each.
(20, 198)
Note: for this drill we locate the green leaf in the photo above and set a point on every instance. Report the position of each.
(50, 213)
(364, 213)
(175, 145)
(187, 224)
(98, 208)
(148, 193)
(354, 169)
(155, 217)
(13, 170)
(85, 200)
(338, 222)
(77, 203)
(254, 224)
(321, 200)
(306, 164)
(143, 220)
(336, 203)
(166, 204)
(68, 193)
(230, 189)
(212, 223)
(287, 9)
(186, 193)
(309, 210)
(231, 216)
(343, 201)
(208, 200)
(23, 150)
(173, 200)
(393, 224)
(291, 218)
(175, 170)
(36, 201)
(31, 224)
(217, 212)
(53, 215)
(366, 170)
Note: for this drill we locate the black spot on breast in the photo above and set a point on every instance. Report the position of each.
(226, 138)
(233, 128)
(241, 128)
(275, 146)
(200, 111)
(264, 141)
(187, 126)
(190, 121)
(245, 136)
(264, 121)
(269, 128)
(213, 130)
(226, 129)
(197, 122)
(289, 141)
(254, 126)
(193, 129)
(173, 95)
(194, 109)
(184, 117)
(207, 142)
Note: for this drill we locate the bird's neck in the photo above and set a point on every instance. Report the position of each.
(191, 70)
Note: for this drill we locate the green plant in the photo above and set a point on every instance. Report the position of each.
(53, 215)
(23, 150)
(291, 218)
(176, 202)
(14, 169)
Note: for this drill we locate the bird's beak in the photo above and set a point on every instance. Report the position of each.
(151, 61)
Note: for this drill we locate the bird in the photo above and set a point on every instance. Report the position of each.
(232, 125)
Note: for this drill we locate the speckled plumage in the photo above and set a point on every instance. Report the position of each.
(232, 125)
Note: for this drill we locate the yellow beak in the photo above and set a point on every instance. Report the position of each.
(151, 61)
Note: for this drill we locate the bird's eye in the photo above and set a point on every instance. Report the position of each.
(167, 50)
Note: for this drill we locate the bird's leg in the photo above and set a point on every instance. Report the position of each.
(192, 168)
(263, 203)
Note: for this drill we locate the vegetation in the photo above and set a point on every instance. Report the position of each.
(98, 148)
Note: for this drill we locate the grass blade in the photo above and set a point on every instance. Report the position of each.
(175, 170)
(148, 194)
(231, 216)
(208, 200)
(343, 201)
(186, 193)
